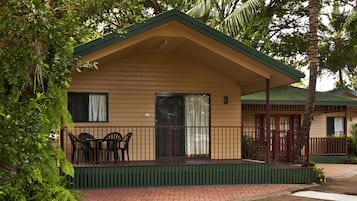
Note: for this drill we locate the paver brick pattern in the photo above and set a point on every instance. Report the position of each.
(338, 170)
(187, 193)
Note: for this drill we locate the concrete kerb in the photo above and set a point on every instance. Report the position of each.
(338, 171)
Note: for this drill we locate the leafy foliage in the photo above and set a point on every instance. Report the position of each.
(228, 16)
(339, 44)
(319, 175)
(36, 59)
(116, 15)
(252, 148)
(352, 142)
(352, 146)
(352, 160)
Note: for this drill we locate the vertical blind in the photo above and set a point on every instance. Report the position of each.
(197, 125)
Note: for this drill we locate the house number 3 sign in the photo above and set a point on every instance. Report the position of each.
(225, 100)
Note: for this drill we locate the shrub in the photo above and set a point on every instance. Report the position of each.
(352, 160)
(352, 141)
(318, 173)
(251, 148)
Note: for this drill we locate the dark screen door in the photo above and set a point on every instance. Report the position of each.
(170, 131)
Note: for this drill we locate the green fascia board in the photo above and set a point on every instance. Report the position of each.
(288, 95)
(197, 25)
(115, 37)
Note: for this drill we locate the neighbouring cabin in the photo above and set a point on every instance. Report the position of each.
(351, 115)
(173, 83)
(332, 120)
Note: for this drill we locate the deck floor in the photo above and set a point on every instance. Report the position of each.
(165, 162)
(275, 165)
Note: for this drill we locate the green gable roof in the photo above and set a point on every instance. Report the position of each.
(342, 91)
(196, 25)
(288, 95)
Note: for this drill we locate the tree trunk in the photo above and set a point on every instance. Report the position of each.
(341, 82)
(303, 136)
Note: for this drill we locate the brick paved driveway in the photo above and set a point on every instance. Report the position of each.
(191, 193)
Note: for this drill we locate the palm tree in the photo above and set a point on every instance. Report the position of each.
(351, 27)
(228, 16)
(337, 51)
(303, 137)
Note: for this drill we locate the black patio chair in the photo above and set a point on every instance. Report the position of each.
(77, 148)
(113, 140)
(88, 144)
(125, 145)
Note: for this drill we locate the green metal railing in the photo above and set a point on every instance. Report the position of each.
(329, 159)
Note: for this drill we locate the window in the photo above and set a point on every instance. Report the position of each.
(335, 126)
(88, 107)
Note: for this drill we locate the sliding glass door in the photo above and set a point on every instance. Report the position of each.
(182, 125)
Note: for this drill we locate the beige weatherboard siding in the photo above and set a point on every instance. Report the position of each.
(351, 118)
(132, 82)
(174, 53)
(319, 123)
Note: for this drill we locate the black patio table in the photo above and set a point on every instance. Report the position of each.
(96, 145)
(106, 145)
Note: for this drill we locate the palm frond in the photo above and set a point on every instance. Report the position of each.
(201, 8)
(352, 18)
(239, 17)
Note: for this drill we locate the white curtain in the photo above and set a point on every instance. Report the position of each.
(338, 124)
(197, 125)
(97, 107)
